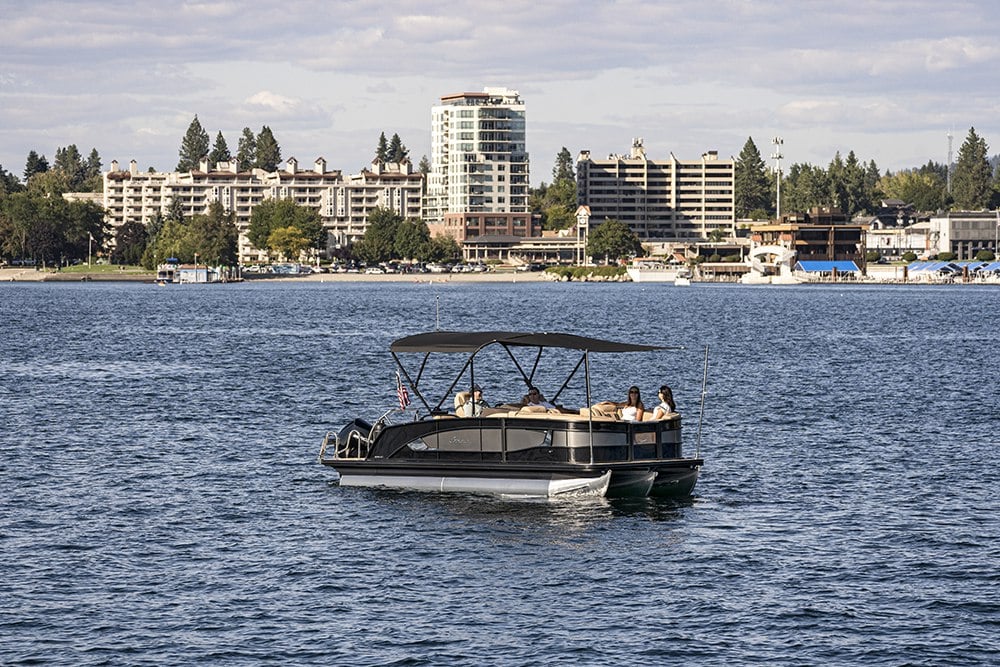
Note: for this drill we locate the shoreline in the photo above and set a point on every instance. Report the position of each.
(31, 275)
(880, 276)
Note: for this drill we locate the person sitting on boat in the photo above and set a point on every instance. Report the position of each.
(632, 409)
(534, 397)
(474, 406)
(667, 405)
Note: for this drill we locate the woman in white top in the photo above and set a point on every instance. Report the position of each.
(632, 409)
(667, 405)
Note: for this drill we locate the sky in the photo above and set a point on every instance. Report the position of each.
(889, 80)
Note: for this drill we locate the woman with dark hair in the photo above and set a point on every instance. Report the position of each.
(667, 404)
(632, 409)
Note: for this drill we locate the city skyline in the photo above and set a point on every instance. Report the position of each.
(888, 80)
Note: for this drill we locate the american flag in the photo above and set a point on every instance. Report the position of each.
(401, 393)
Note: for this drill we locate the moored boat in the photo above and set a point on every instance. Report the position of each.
(512, 449)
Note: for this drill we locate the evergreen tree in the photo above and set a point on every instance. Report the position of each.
(397, 151)
(268, 151)
(379, 241)
(35, 164)
(751, 186)
(563, 169)
(972, 180)
(93, 174)
(220, 150)
(382, 150)
(8, 182)
(194, 146)
(130, 243)
(246, 154)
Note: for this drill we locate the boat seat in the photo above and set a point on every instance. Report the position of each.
(461, 398)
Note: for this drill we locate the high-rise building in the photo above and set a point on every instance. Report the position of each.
(343, 202)
(671, 200)
(478, 183)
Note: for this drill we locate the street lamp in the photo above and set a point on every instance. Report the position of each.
(777, 156)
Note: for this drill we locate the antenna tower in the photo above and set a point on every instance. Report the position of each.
(949, 161)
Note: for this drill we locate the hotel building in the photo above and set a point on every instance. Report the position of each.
(478, 182)
(663, 200)
(343, 202)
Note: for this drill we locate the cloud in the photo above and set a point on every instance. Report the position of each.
(272, 102)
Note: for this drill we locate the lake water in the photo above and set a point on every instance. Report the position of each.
(161, 502)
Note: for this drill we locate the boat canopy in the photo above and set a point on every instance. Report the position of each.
(472, 341)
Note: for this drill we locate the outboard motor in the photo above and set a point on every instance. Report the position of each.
(352, 440)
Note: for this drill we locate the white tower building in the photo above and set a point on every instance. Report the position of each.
(479, 179)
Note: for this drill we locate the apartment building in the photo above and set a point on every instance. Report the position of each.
(479, 176)
(663, 200)
(343, 202)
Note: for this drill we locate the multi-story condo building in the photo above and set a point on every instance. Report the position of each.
(343, 202)
(668, 200)
(479, 177)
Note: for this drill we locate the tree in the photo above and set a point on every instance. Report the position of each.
(194, 146)
(288, 242)
(8, 182)
(130, 243)
(214, 236)
(268, 151)
(246, 155)
(382, 150)
(273, 214)
(220, 150)
(563, 168)
(804, 187)
(924, 190)
(379, 241)
(397, 151)
(440, 249)
(93, 172)
(972, 181)
(49, 229)
(613, 239)
(35, 164)
(411, 238)
(69, 161)
(750, 184)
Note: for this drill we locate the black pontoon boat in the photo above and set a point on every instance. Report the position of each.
(511, 449)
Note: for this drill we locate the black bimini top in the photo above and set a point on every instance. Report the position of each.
(471, 341)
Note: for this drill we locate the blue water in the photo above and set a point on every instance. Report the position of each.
(161, 501)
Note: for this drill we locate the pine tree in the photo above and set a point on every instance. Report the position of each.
(220, 150)
(35, 164)
(194, 146)
(246, 154)
(563, 169)
(268, 151)
(752, 187)
(397, 151)
(972, 180)
(382, 150)
(93, 165)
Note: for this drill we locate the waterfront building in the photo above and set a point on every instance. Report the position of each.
(965, 233)
(821, 234)
(479, 177)
(662, 200)
(343, 202)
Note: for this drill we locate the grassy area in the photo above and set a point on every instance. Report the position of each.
(105, 269)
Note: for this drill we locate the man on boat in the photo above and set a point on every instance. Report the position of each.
(535, 397)
(474, 406)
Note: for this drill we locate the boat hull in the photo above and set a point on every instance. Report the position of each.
(514, 485)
